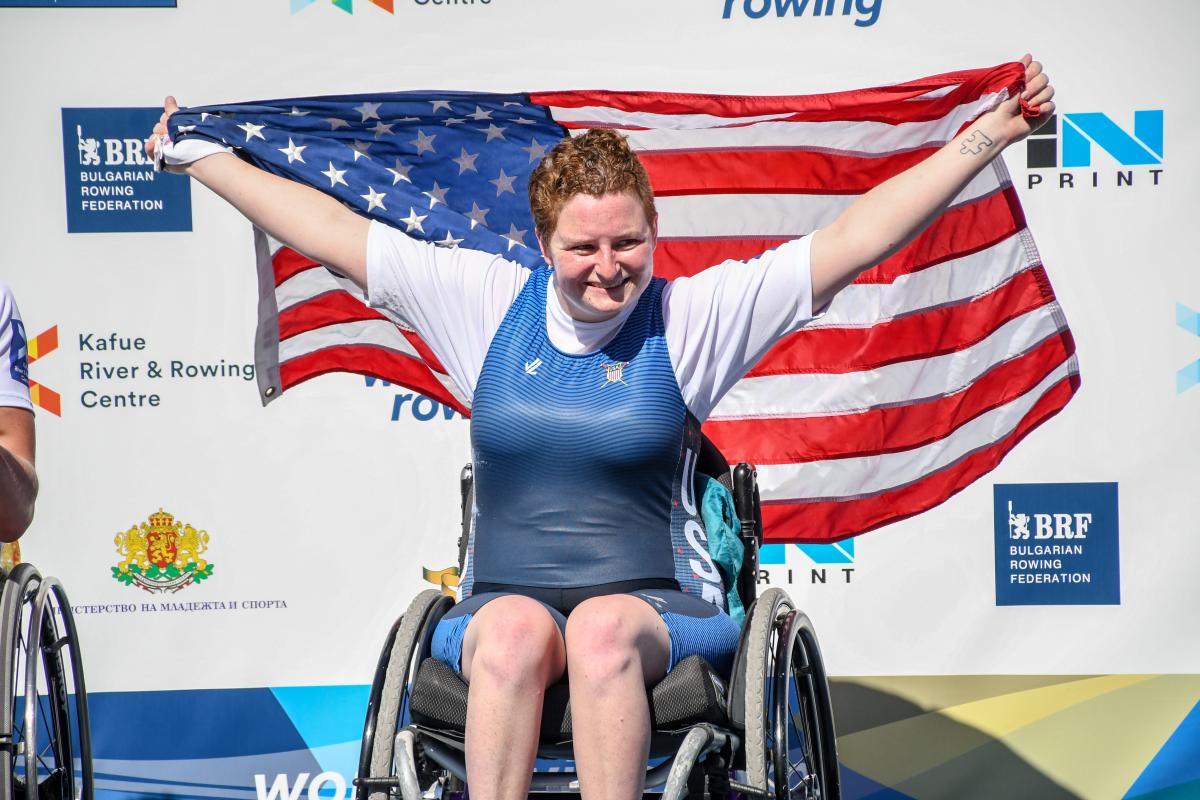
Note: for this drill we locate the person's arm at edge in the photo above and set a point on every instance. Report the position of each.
(18, 480)
(301, 217)
(878, 224)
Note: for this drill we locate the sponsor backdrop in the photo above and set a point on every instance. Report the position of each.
(1035, 635)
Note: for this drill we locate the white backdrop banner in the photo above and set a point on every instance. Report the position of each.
(1045, 613)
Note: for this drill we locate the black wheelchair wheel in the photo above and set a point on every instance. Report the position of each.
(800, 734)
(44, 727)
(387, 708)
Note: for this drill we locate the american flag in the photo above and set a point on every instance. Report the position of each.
(918, 379)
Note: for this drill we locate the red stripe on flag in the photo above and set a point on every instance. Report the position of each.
(831, 520)
(330, 308)
(387, 365)
(892, 429)
(894, 104)
(919, 335)
(956, 233)
(762, 171)
(677, 258)
(287, 263)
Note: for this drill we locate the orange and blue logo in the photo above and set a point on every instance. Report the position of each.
(44, 397)
(345, 5)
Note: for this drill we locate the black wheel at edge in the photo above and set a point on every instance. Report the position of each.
(798, 663)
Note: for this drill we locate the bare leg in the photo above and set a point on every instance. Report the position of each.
(511, 652)
(616, 646)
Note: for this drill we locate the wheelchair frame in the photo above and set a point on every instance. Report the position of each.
(777, 693)
(27, 651)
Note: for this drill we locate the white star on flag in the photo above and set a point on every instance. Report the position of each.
(400, 172)
(503, 183)
(413, 220)
(515, 236)
(466, 161)
(374, 200)
(480, 114)
(536, 151)
(449, 241)
(335, 123)
(335, 176)
(293, 152)
(440, 104)
(379, 128)
(360, 149)
(368, 110)
(252, 130)
(477, 215)
(493, 132)
(436, 195)
(424, 142)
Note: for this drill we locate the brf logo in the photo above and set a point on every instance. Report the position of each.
(1082, 137)
(111, 185)
(1057, 544)
(1047, 526)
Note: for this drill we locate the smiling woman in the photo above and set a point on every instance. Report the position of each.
(588, 382)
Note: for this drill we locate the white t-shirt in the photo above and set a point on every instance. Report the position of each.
(14, 358)
(719, 322)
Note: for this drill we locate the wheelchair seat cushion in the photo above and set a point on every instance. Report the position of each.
(690, 693)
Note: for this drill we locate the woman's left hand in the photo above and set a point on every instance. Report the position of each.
(1010, 117)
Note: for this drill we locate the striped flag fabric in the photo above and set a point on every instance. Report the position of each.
(917, 380)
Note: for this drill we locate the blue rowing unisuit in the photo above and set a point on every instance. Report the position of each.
(584, 463)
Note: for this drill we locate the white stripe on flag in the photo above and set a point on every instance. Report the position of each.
(847, 478)
(852, 138)
(894, 384)
(774, 215)
(310, 283)
(371, 332)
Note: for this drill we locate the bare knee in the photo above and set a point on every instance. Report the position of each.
(516, 643)
(608, 638)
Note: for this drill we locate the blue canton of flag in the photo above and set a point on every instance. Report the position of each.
(451, 168)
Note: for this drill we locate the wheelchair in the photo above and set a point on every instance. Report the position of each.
(45, 739)
(764, 731)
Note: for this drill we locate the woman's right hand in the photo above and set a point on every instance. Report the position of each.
(160, 129)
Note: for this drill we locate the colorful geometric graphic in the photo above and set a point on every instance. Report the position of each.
(44, 397)
(345, 5)
(1189, 320)
(981, 737)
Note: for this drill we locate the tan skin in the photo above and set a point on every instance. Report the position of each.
(602, 250)
(18, 481)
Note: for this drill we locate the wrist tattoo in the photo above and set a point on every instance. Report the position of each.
(975, 144)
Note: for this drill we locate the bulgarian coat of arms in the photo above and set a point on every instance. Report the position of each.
(162, 555)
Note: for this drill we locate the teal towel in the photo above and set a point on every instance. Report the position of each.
(722, 526)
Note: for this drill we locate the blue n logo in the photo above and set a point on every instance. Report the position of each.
(1081, 131)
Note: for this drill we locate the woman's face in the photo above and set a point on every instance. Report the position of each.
(602, 254)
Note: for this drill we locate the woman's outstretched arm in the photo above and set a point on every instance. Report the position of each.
(889, 216)
(301, 217)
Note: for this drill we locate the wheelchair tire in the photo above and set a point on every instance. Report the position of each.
(801, 723)
(392, 680)
(29, 607)
(758, 656)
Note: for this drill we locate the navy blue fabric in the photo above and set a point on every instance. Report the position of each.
(584, 463)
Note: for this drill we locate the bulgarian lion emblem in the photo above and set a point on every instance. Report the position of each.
(162, 555)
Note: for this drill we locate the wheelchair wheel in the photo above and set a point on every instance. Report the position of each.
(800, 726)
(387, 707)
(790, 747)
(44, 725)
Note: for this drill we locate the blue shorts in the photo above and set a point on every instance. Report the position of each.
(695, 626)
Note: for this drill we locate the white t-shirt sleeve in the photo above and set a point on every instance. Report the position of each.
(721, 321)
(14, 357)
(454, 298)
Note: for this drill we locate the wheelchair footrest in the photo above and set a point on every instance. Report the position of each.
(692, 692)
